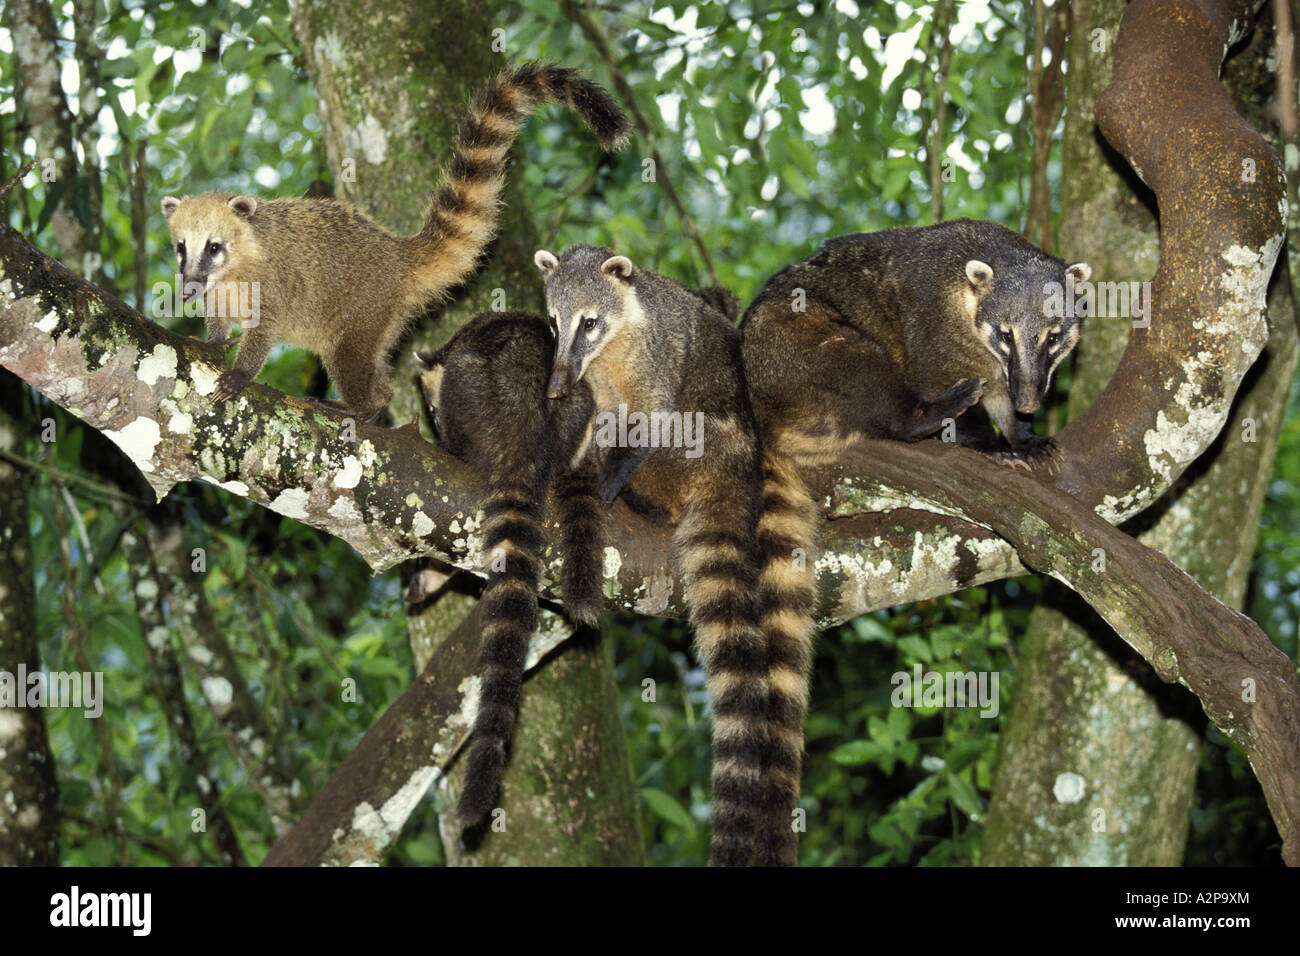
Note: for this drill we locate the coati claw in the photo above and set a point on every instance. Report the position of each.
(230, 384)
(1039, 451)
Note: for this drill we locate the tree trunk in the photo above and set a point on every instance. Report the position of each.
(29, 809)
(1097, 762)
(392, 91)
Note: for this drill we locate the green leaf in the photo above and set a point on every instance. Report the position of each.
(857, 752)
(668, 809)
(964, 795)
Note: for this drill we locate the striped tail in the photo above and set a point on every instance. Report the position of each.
(512, 542)
(787, 600)
(463, 214)
(714, 543)
(582, 525)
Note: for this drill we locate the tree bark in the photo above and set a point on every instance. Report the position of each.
(1083, 710)
(29, 815)
(44, 115)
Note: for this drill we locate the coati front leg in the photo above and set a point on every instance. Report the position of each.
(954, 403)
(617, 469)
(1028, 449)
(254, 346)
(218, 327)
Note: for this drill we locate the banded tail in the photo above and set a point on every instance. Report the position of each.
(582, 526)
(463, 213)
(715, 541)
(787, 601)
(512, 543)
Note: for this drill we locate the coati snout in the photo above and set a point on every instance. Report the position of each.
(1015, 325)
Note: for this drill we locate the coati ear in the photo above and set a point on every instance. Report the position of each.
(620, 267)
(425, 359)
(1079, 272)
(545, 261)
(979, 274)
(243, 206)
(169, 205)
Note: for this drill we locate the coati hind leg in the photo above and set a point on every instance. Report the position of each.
(362, 377)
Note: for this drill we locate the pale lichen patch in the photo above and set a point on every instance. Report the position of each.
(137, 441)
(422, 525)
(612, 562)
(292, 503)
(204, 377)
(234, 487)
(349, 473)
(158, 364)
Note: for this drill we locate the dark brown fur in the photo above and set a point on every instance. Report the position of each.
(485, 390)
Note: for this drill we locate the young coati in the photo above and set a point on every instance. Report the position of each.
(315, 273)
(485, 390)
(647, 346)
(887, 334)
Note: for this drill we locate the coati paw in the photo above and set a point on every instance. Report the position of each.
(230, 384)
(960, 397)
(1038, 451)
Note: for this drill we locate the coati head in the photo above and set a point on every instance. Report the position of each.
(209, 234)
(589, 300)
(1013, 323)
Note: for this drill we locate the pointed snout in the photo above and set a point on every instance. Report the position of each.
(192, 288)
(1026, 392)
(559, 384)
(1027, 400)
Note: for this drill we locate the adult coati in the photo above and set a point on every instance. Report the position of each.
(885, 335)
(888, 334)
(317, 274)
(646, 345)
(485, 390)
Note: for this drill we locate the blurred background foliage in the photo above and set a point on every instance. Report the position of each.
(779, 124)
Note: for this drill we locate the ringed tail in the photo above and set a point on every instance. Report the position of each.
(787, 601)
(715, 544)
(581, 517)
(512, 543)
(463, 213)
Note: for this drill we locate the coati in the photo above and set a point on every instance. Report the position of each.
(645, 344)
(485, 391)
(317, 274)
(887, 334)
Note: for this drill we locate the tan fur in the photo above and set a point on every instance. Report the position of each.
(333, 281)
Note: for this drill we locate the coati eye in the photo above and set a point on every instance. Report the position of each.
(180, 249)
(1053, 338)
(1007, 337)
(213, 248)
(588, 323)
